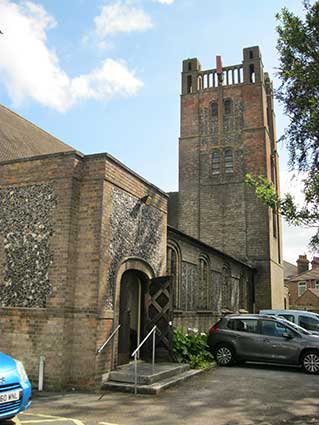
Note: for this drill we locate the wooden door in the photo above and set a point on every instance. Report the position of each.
(159, 312)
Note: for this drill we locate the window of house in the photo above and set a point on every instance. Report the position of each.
(317, 284)
(172, 269)
(229, 161)
(301, 288)
(216, 163)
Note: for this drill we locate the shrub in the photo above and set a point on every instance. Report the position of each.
(192, 348)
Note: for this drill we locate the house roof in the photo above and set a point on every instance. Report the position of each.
(20, 138)
(290, 270)
(312, 274)
(309, 297)
(315, 291)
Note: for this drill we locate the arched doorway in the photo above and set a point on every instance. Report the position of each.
(131, 313)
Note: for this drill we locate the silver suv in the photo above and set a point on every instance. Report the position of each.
(264, 339)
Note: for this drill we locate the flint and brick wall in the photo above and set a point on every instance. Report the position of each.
(55, 236)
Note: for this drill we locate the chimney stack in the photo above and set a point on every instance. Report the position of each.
(302, 264)
(315, 263)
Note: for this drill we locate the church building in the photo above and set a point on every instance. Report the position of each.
(86, 244)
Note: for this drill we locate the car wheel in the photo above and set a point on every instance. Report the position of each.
(224, 355)
(310, 362)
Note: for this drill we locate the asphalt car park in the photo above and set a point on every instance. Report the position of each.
(248, 394)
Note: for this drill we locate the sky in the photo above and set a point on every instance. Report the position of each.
(104, 75)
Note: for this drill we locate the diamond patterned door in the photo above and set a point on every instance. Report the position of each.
(159, 312)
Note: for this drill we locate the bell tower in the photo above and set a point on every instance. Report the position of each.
(227, 131)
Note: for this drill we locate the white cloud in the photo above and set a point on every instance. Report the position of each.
(29, 69)
(120, 18)
(166, 1)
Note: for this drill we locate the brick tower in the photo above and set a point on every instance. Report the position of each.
(228, 130)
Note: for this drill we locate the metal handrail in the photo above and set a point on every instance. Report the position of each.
(136, 352)
(107, 341)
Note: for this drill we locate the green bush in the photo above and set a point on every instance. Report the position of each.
(192, 348)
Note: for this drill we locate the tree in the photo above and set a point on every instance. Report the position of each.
(298, 48)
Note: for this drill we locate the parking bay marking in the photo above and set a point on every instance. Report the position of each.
(106, 423)
(46, 418)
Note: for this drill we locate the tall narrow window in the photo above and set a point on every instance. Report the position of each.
(252, 75)
(229, 161)
(203, 284)
(227, 106)
(189, 84)
(172, 269)
(214, 109)
(216, 163)
(274, 224)
(301, 288)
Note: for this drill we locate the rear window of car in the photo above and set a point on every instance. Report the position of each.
(243, 325)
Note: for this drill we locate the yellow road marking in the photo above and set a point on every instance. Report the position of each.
(48, 418)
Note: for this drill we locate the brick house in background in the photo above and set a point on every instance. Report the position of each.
(304, 286)
(84, 241)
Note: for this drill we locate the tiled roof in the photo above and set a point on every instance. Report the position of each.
(290, 270)
(315, 291)
(312, 274)
(20, 138)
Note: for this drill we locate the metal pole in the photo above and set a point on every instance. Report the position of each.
(113, 352)
(41, 373)
(153, 354)
(135, 373)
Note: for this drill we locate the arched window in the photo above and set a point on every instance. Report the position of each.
(229, 161)
(203, 283)
(216, 163)
(226, 288)
(173, 270)
(200, 83)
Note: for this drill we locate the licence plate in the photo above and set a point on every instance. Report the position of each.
(10, 396)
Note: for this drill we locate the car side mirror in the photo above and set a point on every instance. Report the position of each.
(287, 335)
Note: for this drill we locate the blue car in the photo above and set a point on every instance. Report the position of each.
(15, 387)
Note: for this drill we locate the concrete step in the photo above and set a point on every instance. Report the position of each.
(154, 388)
(145, 373)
